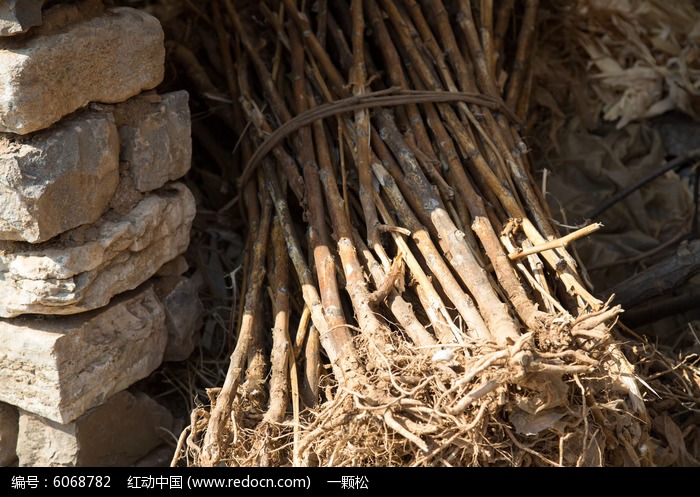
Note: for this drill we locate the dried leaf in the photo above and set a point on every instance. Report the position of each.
(532, 424)
(676, 442)
(641, 55)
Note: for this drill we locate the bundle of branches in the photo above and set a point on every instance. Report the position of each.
(407, 300)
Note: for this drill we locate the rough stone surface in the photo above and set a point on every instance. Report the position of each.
(57, 179)
(8, 434)
(155, 138)
(108, 58)
(183, 314)
(115, 434)
(84, 268)
(58, 367)
(63, 177)
(160, 457)
(175, 267)
(17, 16)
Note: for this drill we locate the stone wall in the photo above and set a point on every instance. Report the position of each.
(94, 222)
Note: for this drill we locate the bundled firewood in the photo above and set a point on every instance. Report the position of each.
(407, 300)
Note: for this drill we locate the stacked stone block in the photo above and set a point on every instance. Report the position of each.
(94, 222)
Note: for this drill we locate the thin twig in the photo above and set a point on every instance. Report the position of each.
(673, 164)
(559, 242)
